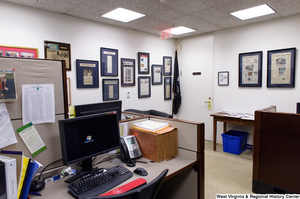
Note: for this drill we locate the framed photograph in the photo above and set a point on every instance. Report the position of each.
(58, 51)
(167, 63)
(167, 88)
(109, 62)
(156, 74)
(24, 52)
(8, 91)
(281, 68)
(144, 87)
(110, 89)
(143, 63)
(69, 90)
(127, 72)
(87, 74)
(250, 69)
(223, 78)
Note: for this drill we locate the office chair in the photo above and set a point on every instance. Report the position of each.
(147, 191)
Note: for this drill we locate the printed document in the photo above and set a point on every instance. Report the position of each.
(7, 135)
(38, 103)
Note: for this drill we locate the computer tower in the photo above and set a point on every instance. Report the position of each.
(2, 181)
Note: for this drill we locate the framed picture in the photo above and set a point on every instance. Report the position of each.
(144, 87)
(8, 91)
(223, 78)
(167, 88)
(110, 89)
(143, 63)
(24, 52)
(87, 74)
(127, 72)
(167, 63)
(58, 51)
(69, 90)
(156, 74)
(281, 68)
(109, 62)
(250, 69)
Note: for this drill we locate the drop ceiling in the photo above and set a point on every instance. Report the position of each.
(205, 16)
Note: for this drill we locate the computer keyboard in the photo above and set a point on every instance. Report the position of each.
(98, 183)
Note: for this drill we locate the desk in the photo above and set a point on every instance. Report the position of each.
(221, 117)
(58, 189)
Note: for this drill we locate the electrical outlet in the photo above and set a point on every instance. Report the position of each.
(128, 94)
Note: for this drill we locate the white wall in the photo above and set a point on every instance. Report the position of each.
(29, 27)
(271, 35)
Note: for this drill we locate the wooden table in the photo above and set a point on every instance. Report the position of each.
(222, 117)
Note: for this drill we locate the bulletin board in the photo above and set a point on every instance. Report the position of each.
(38, 71)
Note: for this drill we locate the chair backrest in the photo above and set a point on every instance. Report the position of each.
(147, 191)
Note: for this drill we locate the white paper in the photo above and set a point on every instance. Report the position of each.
(109, 64)
(123, 129)
(38, 104)
(7, 134)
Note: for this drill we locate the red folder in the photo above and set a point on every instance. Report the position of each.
(131, 185)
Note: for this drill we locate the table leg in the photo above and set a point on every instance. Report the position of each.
(214, 134)
(224, 127)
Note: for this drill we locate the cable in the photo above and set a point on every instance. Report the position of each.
(47, 166)
(106, 157)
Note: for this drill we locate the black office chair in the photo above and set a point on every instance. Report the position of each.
(147, 191)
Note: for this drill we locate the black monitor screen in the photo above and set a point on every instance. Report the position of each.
(104, 107)
(88, 136)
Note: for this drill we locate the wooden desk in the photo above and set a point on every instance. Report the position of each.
(176, 166)
(221, 117)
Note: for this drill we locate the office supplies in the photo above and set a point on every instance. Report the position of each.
(151, 125)
(131, 185)
(141, 161)
(140, 171)
(10, 176)
(35, 193)
(97, 184)
(31, 167)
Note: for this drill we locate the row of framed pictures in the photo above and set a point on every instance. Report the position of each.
(110, 88)
(280, 71)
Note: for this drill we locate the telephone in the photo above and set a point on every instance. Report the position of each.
(130, 149)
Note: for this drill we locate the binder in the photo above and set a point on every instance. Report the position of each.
(2, 181)
(23, 174)
(10, 176)
(27, 180)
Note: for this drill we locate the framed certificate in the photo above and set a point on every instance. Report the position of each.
(281, 68)
(167, 63)
(58, 51)
(156, 74)
(87, 74)
(127, 72)
(110, 89)
(143, 63)
(167, 88)
(250, 67)
(223, 78)
(144, 87)
(109, 62)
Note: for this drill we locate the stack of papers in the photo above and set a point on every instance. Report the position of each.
(151, 125)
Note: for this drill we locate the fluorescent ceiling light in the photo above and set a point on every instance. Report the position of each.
(181, 30)
(124, 15)
(253, 12)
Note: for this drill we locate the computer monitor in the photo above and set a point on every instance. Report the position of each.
(85, 137)
(104, 107)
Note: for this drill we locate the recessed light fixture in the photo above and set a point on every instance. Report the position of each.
(181, 30)
(253, 12)
(124, 15)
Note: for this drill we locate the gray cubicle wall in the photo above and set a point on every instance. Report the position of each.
(37, 71)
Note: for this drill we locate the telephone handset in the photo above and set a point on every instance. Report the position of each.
(130, 149)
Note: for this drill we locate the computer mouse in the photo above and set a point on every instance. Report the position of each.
(140, 171)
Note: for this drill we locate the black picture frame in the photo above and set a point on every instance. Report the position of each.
(58, 51)
(110, 89)
(87, 73)
(109, 61)
(250, 69)
(281, 68)
(167, 65)
(127, 72)
(167, 88)
(156, 71)
(143, 63)
(144, 87)
(223, 78)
